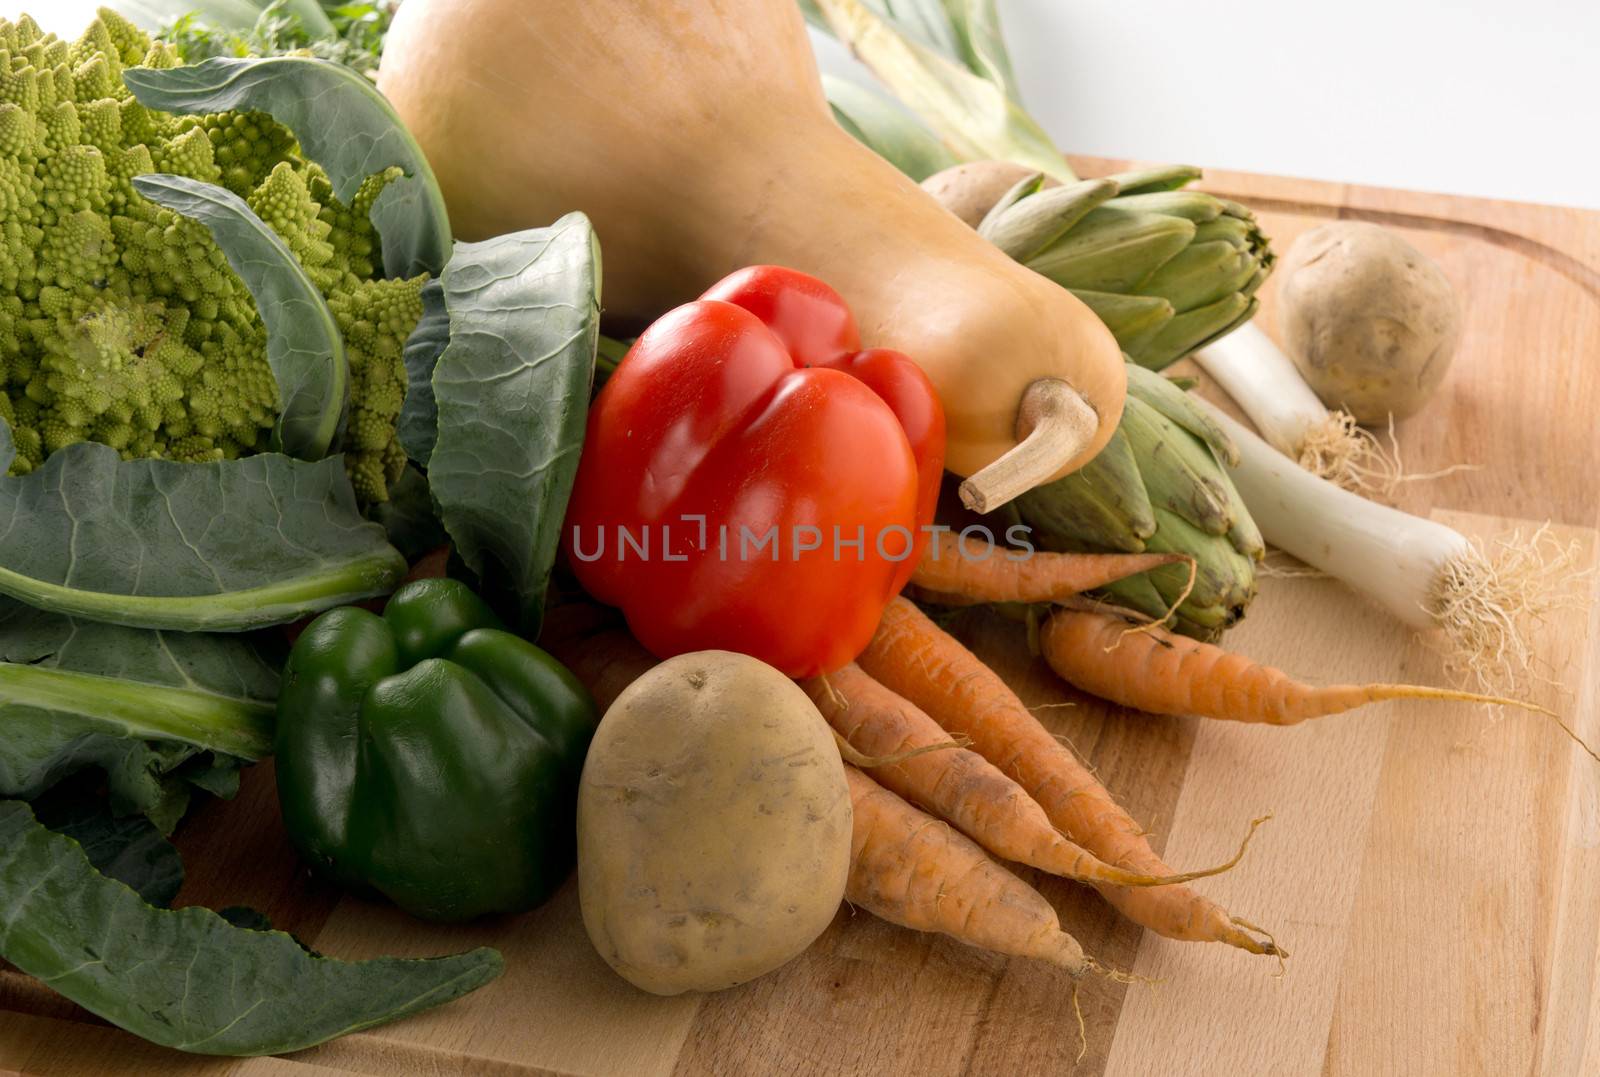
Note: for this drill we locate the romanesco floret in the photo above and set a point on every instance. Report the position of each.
(375, 317)
(120, 321)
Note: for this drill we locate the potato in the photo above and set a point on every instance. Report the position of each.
(970, 190)
(713, 825)
(1370, 321)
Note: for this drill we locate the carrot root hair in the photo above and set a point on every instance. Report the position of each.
(1121, 877)
(1172, 610)
(857, 758)
(1381, 692)
(1115, 975)
(1083, 1028)
(836, 697)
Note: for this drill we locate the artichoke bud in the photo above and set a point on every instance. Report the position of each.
(1167, 269)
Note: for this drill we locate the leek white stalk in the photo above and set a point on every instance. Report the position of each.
(1265, 383)
(1426, 574)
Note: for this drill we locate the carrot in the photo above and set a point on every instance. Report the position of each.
(913, 870)
(917, 659)
(597, 647)
(1157, 671)
(979, 571)
(959, 785)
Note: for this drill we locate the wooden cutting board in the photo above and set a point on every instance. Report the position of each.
(1434, 870)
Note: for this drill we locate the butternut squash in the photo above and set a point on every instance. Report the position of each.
(696, 137)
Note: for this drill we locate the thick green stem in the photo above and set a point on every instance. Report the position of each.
(213, 722)
(231, 611)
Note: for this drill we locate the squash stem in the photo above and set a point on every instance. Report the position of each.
(1054, 425)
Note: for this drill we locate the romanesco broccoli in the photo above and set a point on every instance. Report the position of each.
(120, 321)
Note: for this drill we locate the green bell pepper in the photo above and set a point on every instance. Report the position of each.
(432, 756)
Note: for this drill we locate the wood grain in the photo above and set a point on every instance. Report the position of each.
(1434, 873)
(1418, 894)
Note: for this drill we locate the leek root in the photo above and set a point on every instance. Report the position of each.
(1483, 598)
(1263, 381)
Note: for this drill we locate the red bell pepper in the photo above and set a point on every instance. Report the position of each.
(752, 480)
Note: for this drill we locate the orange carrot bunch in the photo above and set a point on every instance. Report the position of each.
(959, 785)
(916, 659)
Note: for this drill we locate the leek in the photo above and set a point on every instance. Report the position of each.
(1428, 575)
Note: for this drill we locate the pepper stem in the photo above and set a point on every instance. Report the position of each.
(1054, 424)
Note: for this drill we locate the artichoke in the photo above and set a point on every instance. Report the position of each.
(1158, 486)
(1168, 270)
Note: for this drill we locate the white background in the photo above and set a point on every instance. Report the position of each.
(1500, 99)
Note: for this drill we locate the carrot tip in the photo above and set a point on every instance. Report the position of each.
(1251, 944)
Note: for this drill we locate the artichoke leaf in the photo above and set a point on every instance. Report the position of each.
(1171, 401)
(1194, 329)
(1150, 180)
(1102, 504)
(1135, 320)
(1027, 219)
(1113, 249)
(1180, 475)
